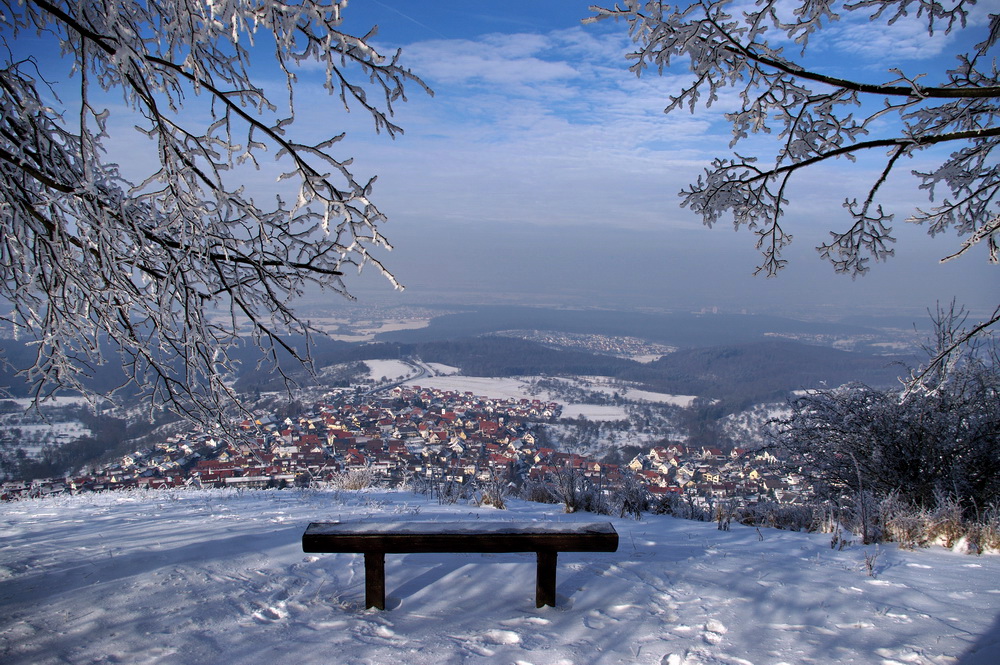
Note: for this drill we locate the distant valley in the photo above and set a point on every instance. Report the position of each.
(726, 364)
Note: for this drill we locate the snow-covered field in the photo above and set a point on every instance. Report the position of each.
(220, 577)
(496, 388)
(594, 412)
(390, 369)
(32, 436)
(608, 386)
(61, 400)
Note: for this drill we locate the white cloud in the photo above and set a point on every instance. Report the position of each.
(496, 59)
(907, 37)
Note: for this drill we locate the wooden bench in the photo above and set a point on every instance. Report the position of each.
(375, 540)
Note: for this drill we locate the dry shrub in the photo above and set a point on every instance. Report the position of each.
(681, 506)
(990, 523)
(353, 479)
(903, 524)
(790, 517)
(946, 523)
(536, 492)
(984, 535)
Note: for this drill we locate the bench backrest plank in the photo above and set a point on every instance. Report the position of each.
(468, 536)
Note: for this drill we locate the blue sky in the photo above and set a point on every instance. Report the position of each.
(543, 171)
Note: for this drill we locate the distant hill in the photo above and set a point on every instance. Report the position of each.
(738, 374)
(681, 329)
(757, 371)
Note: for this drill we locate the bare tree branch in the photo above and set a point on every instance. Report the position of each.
(820, 117)
(170, 273)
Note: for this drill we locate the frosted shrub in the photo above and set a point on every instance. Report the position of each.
(537, 492)
(986, 535)
(681, 506)
(451, 491)
(630, 498)
(353, 479)
(946, 523)
(724, 514)
(791, 517)
(572, 489)
(493, 490)
(902, 523)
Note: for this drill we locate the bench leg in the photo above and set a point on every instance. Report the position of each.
(375, 580)
(545, 579)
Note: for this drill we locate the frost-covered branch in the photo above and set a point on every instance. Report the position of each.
(819, 117)
(172, 271)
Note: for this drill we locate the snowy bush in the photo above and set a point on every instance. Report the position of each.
(353, 479)
(493, 489)
(935, 444)
(630, 498)
(946, 522)
(903, 524)
(536, 492)
(790, 517)
(681, 506)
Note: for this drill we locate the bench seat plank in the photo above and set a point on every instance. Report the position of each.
(431, 537)
(376, 539)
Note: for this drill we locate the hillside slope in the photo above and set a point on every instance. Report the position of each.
(769, 369)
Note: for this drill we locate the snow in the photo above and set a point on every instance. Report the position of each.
(493, 387)
(55, 401)
(609, 386)
(388, 368)
(215, 576)
(594, 412)
(32, 436)
(440, 368)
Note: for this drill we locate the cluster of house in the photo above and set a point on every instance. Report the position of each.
(706, 473)
(407, 434)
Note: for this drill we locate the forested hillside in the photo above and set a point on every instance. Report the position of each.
(737, 374)
(747, 373)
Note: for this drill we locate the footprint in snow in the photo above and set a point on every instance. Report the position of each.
(713, 631)
(270, 614)
(596, 620)
(501, 637)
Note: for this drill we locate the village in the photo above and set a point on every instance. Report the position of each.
(427, 437)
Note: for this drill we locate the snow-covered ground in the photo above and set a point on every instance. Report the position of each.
(609, 386)
(594, 412)
(31, 431)
(57, 401)
(390, 369)
(216, 576)
(517, 387)
(33, 438)
(492, 387)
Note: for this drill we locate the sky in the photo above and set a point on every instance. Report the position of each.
(542, 171)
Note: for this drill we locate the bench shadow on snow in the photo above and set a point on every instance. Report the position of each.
(454, 578)
(403, 568)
